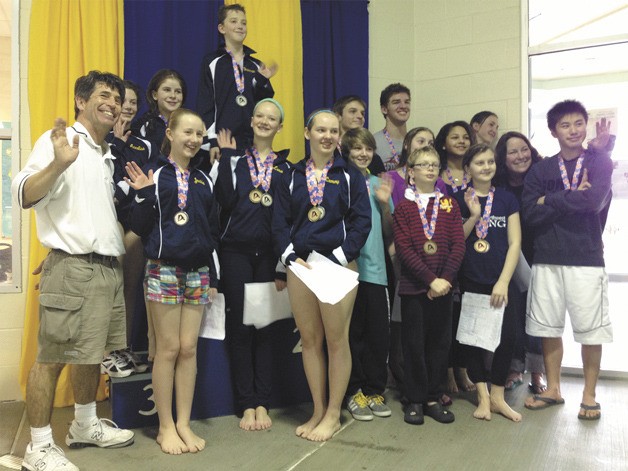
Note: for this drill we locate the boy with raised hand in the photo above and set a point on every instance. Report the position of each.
(232, 82)
(566, 198)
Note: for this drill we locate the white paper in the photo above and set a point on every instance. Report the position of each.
(522, 274)
(329, 281)
(263, 304)
(480, 324)
(213, 323)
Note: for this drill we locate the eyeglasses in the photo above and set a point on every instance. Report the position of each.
(425, 166)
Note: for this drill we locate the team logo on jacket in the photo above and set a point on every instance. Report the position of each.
(445, 204)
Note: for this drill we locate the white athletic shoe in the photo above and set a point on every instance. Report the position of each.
(116, 365)
(48, 458)
(100, 434)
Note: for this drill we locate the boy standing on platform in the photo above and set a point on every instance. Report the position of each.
(232, 82)
(395, 105)
(566, 198)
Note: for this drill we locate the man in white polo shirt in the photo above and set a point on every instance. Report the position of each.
(68, 181)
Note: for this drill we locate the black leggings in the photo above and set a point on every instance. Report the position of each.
(250, 349)
(480, 369)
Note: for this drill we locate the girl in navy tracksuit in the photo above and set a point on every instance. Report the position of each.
(165, 93)
(322, 205)
(175, 213)
(245, 189)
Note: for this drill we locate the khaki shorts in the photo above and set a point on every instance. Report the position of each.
(81, 309)
(581, 291)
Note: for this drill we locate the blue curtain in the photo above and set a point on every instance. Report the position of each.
(335, 51)
(172, 34)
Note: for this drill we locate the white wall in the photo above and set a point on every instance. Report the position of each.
(12, 304)
(457, 57)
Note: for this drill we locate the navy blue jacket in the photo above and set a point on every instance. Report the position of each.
(340, 234)
(151, 127)
(135, 150)
(568, 227)
(245, 225)
(217, 94)
(190, 246)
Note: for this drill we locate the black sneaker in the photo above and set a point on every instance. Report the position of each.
(414, 414)
(439, 413)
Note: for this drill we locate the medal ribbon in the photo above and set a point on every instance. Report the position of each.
(394, 155)
(481, 227)
(428, 228)
(264, 172)
(452, 182)
(316, 189)
(183, 179)
(576, 173)
(237, 75)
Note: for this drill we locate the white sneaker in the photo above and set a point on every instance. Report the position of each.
(100, 434)
(116, 365)
(48, 458)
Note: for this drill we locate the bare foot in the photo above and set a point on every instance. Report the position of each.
(262, 420)
(452, 386)
(538, 385)
(463, 380)
(248, 420)
(483, 412)
(305, 429)
(170, 442)
(324, 430)
(500, 406)
(191, 440)
(593, 411)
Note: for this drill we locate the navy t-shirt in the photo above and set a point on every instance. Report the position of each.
(485, 268)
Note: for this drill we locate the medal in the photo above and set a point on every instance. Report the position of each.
(394, 155)
(481, 246)
(452, 183)
(183, 177)
(261, 176)
(181, 218)
(481, 226)
(267, 200)
(241, 100)
(316, 213)
(238, 76)
(316, 189)
(255, 195)
(430, 247)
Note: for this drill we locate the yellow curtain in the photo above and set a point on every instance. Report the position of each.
(68, 38)
(274, 31)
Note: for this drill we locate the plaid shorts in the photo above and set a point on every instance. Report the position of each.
(169, 284)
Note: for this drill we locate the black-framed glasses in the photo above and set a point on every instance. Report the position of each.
(425, 166)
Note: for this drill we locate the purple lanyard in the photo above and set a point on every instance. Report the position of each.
(429, 228)
(481, 227)
(576, 173)
(182, 184)
(452, 182)
(237, 75)
(316, 189)
(264, 172)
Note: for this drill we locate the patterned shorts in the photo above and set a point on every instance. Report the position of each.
(169, 284)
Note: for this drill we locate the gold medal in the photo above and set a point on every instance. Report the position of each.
(430, 247)
(481, 246)
(316, 213)
(241, 100)
(181, 218)
(267, 200)
(255, 195)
